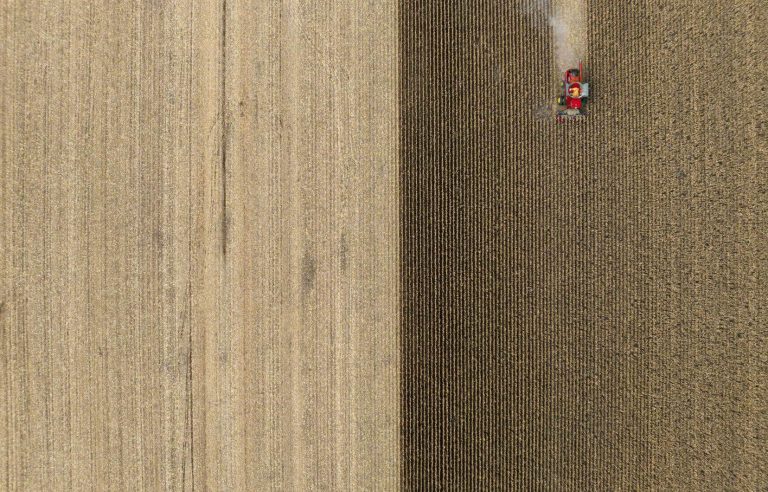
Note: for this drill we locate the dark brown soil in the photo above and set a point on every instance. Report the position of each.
(582, 303)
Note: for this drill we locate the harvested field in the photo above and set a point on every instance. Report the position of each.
(198, 227)
(237, 255)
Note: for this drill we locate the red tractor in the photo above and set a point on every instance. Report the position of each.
(575, 94)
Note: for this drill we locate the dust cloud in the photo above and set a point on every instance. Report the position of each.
(567, 20)
(569, 32)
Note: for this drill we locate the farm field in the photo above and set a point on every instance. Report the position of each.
(198, 224)
(589, 294)
(343, 245)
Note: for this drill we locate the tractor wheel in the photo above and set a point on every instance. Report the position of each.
(561, 101)
(574, 72)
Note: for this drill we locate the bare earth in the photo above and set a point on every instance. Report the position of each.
(333, 244)
(583, 304)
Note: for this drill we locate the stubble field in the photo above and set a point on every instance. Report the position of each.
(298, 245)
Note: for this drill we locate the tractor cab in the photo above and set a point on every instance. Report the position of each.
(575, 94)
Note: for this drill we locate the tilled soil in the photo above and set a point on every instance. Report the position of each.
(236, 256)
(582, 303)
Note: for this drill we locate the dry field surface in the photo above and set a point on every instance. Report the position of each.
(583, 304)
(199, 255)
(333, 245)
